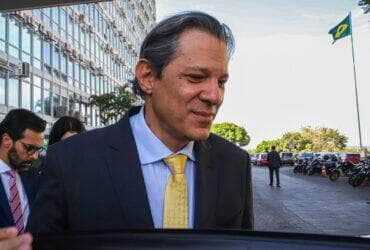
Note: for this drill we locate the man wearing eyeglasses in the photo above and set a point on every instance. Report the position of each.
(21, 141)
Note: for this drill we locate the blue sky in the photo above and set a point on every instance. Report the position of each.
(285, 73)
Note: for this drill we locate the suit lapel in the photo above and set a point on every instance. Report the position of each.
(28, 178)
(127, 178)
(5, 213)
(206, 186)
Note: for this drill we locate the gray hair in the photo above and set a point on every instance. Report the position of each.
(160, 45)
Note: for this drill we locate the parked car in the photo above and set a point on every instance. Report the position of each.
(254, 159)
(262, 160)
(287, 158)
(354, 158)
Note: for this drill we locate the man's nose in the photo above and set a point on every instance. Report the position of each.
(212, 93)
(35, 155)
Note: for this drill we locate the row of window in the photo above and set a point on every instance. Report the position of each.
(23, 43)
(29, 46)
(40, 96)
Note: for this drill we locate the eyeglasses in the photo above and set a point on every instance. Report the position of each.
(31, 149)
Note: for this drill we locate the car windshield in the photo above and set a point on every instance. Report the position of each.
(353, 155)
(287, 154)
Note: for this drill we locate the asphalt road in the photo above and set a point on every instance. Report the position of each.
(310, 204)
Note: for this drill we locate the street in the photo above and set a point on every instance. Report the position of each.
(309, 204)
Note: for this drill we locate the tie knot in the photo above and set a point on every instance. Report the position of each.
(176, 163)
(11, 173)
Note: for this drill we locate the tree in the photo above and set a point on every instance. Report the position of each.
(113, 105)
(231, 132)
(307, 139)
(265, 146)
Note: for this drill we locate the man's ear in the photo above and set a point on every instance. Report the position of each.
(6, 141)
(145, 75)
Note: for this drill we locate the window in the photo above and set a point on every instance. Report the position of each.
(26, 45)
(37, 101)
(63, 63)
(37, 51)
(88, 115)
(77, 71)
(46, 18)
(13, 96)
(26, 95)
(37, 14)
(83, 78)
(13, 38)
(56, 105)
(64, 104)
(55, 19)
(47, 98)
(71, 102)
(2, 90)
(47, 52)
(70, 71)
(56, 57)
(63, 23)
(2, 32)
(70, 28)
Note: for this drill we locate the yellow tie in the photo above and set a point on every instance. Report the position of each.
(176, 197)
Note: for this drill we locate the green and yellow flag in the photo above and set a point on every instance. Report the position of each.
(342, 29)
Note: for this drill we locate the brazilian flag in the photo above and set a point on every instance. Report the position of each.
(342, 29)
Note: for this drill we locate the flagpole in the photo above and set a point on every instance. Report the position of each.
(354, 75)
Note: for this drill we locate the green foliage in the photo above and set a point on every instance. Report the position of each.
(113, 105)
(307, 139)
(231, 132)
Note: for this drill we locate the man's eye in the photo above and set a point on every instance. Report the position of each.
(222, 83)
(195, 78)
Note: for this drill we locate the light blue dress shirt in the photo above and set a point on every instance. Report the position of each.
(156, 173)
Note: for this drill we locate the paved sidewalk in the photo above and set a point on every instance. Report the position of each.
(310, 204)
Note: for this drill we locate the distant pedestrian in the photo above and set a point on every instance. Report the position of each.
(274, 162)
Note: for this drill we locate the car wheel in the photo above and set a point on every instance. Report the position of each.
(334, 175)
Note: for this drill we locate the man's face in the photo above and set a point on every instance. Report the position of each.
(24, 151)
(185, 101)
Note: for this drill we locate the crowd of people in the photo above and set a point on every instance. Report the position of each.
(158, 167)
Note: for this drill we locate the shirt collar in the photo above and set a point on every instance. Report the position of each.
(150, 148)
(4, 167)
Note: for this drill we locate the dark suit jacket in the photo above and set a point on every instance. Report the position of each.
(273, 159)
(30, 180)
(94, 181)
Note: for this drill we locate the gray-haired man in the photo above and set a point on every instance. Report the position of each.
(158, 167)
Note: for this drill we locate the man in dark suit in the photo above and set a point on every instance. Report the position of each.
(274, 163)
(21, 139)
(159, 166)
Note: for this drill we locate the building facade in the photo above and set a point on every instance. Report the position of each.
(53, 59)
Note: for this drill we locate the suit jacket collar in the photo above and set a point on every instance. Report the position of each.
(125, 170)
(206, 186)
(28, 177)
(124, 167)
(5, 213)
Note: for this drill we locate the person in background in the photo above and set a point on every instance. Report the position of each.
(21, 141)
(65, 127)
(274, 162)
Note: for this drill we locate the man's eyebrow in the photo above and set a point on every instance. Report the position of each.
(200, 69)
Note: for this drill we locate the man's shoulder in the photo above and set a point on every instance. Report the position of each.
(221, 145)
(95, 138)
